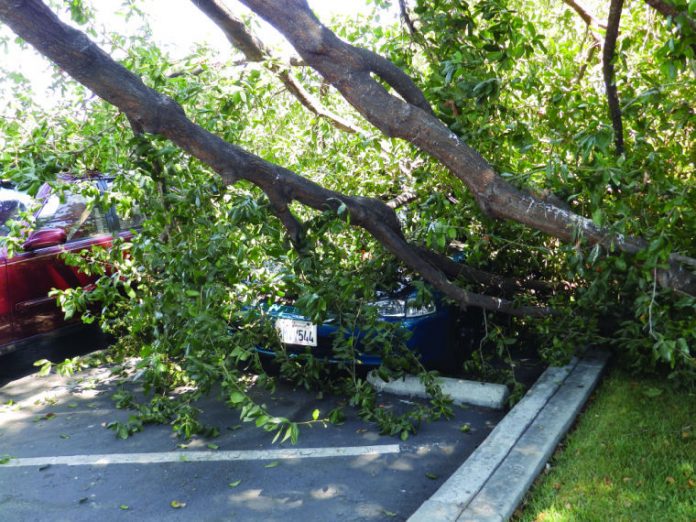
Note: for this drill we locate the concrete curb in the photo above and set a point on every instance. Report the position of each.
(461, 391)
(493, 480)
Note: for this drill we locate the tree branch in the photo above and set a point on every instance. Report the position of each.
(666, 9)
(415, 35)
(395, 77)
(407, 19)
(608, 69)
(255, 51)
(155, 113)
(584, 14)
(342, 66)
(402, 199)
(596, 39)
(505, 285)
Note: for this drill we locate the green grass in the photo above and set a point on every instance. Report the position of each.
(631, 456)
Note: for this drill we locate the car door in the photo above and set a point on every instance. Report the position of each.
(32, 274)
(12, 202)
(5, 305)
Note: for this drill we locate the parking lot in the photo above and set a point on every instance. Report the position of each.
(62, 463)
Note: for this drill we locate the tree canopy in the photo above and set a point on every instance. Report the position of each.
(551, 143)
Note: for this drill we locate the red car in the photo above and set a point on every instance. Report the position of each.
(26, 278)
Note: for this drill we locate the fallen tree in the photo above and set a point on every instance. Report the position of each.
(391, 101)
(349, 69)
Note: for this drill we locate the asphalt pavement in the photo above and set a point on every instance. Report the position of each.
(58, 460)
(64, 464)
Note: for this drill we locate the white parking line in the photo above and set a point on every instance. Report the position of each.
(202, 456)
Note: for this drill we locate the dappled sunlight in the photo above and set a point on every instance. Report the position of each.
(554, 515)
(445, 449)
(10, 421)
(255, 500)
(56, 427)
(372, 436)
(372, 510)
(327, 492)
(402, 464)
(527, 450)
(364, 461)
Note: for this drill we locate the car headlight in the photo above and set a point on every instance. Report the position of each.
(390, 307)
(403, 308)
(419, 310)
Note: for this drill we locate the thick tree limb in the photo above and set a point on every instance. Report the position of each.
(255, 51)
(666, 9)
(608, 69)
(504, 285)
(155, 113)
(342, 65)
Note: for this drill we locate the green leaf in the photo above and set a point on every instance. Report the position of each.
(212, 446)
(44, 367)
(431, 476)
(273, 464)
(597, 217)
(652, 392)
(235, 483)
(236, 397)
(315, 414)
(177, 504)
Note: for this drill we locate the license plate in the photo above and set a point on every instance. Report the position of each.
(292, 331)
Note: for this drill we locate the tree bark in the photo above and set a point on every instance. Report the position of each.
(609, 76)
(345, 67)
(155, 113)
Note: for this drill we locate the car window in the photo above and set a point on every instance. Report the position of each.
(73, 216)
(135, 218)
(11, 204)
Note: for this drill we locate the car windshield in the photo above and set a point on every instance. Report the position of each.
(12, 203)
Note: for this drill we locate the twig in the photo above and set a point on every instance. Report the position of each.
(402, 199)
(584, 13)
(652, 302)
(255, 51)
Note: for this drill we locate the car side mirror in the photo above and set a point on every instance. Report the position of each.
(45, 238)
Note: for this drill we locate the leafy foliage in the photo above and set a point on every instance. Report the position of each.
(187, 294)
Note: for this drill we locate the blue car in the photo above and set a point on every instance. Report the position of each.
(440, 334)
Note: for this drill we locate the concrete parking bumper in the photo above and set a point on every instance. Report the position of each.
(484, 394)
